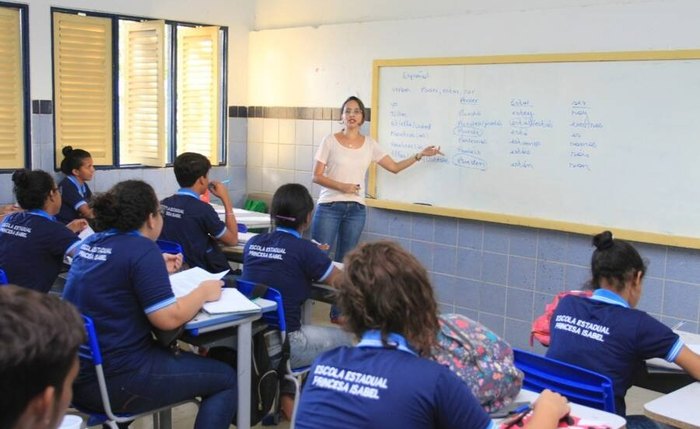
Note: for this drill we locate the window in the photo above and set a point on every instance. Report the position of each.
(160, 93)
(14, 87)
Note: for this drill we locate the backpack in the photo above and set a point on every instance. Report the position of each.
(480, 358)
(264, 378)
(540, 326)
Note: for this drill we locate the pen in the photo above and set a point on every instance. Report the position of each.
(678, 325)
(517, 418)
(315, 242)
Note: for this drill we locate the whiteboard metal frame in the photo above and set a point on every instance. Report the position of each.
(514, 219)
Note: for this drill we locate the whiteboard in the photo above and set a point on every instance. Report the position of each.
(572, 142)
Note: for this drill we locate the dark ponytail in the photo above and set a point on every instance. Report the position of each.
(291, 205)
(614, 260)
(32, 188)
(73, 159)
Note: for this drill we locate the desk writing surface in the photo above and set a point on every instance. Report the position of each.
(575, 142)
(680, 408)
(691, 340)
(249, 218)
(588, 414)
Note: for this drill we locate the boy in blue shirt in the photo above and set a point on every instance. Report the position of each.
(194, 224)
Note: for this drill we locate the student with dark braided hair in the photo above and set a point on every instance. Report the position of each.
(78, 168)
(119, 278)
(606, 334)
(32, 243)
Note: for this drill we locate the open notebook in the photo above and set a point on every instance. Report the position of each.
(231, 301)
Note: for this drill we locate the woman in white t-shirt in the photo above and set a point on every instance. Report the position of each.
(342, 161)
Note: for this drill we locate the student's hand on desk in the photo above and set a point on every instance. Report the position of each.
(77, 225)
(549, 408)
(172, 262)
(211, 289)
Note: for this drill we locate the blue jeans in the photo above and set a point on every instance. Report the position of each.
(168, 378)
(312, 340)
(341, 220)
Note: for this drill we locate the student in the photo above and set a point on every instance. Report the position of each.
(194, 224)
(78, 168)
(385, 381)
(119, 279)
(605, 333)
(32, 243)
(342, 161)
(40, 336)
(282, 259)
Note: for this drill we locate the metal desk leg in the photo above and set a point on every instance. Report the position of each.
(244, 357)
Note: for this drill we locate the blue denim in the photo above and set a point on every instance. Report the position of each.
(340, 221)
(312, 340)
(168, 378)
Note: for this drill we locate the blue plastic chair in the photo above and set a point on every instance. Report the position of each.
(171, 247)
(577, 384)
(277, 319)
(90, 352)
(3, 278)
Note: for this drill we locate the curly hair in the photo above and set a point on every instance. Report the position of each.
(32, 188)
(384, 287)
(125, 207)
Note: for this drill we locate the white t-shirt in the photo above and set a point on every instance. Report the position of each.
(346, 165)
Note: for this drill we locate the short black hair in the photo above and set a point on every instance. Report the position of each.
(40, 335)
(189, 167)
(125, 207)
(72, 159)
(291, 205)
(32, 188)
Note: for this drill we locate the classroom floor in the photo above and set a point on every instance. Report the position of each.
(183, 416)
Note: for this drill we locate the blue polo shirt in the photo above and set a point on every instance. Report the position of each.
(196, 226)
(370, 386)
(32, 247)
(118, 279)
(285, 261)
(602, 333)
(73, 196)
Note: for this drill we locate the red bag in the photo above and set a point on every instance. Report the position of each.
(540, 326)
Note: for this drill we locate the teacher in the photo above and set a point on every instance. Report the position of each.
(342, 161)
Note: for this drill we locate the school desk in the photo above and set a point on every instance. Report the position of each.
(246, 217)
(666, 377)
(211, 330)
(679, 408)
(591, 415)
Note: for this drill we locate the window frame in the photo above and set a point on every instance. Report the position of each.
(171, 106)
(26, 84)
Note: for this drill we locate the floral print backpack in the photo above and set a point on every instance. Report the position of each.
(480, 358)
